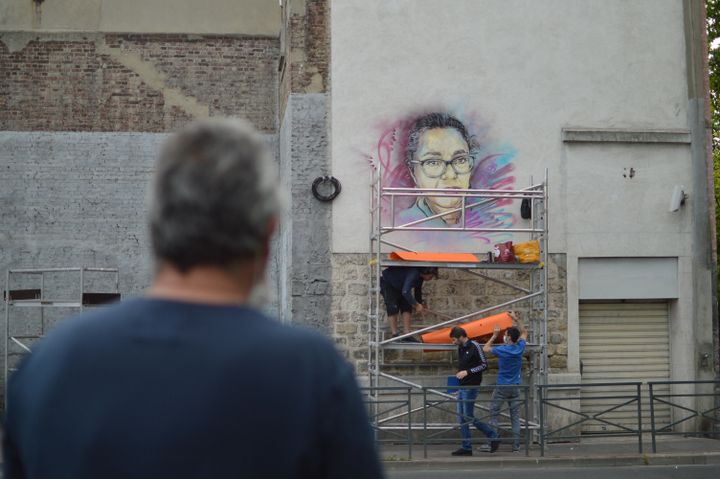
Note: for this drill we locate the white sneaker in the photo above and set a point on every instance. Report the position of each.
(484, 448)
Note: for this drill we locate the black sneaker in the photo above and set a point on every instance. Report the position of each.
(494, 444)
(462, 452)
(412, 339)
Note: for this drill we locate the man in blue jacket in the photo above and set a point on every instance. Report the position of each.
(509, 357)
(401, 289)
(192, 380)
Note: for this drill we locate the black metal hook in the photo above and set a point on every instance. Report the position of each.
(326, 179)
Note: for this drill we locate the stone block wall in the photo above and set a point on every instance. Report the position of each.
(456, 293)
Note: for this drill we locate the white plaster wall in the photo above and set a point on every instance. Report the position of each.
(528, 68)
(608, 213)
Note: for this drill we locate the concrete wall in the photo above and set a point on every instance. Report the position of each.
(565, 63)
(71, 199)
(250, 17)
(305, 233)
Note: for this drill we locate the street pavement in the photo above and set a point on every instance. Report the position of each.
(697, 457)
(694, 471)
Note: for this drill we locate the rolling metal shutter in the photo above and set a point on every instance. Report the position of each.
(623, 342)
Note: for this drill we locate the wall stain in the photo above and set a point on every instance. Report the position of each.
(154, 78)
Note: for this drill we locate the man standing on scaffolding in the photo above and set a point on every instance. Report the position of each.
(471, 364)
(508, 378)
(401, 289)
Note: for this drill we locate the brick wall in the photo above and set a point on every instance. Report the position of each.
(306, 49)
(151, 83)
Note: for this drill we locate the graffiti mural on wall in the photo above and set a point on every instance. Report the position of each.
(444, 151)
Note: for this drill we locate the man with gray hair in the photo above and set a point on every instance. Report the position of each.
(192, 380)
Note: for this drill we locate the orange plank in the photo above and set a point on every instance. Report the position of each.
(435, 257)
(475, 329)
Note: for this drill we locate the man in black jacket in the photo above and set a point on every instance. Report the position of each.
(471, 364)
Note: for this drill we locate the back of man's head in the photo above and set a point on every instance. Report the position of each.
(513, 333)
(215, 196)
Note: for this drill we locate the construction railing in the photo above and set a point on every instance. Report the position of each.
(433, 415)
(385, 404)
(563, 397)
(682, 413)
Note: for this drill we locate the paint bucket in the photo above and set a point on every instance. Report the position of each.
(452, 384)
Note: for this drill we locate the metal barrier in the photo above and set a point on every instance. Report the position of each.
(670, 401)
(391, 411)
(620, 400)
(381, 402)
(495, 404)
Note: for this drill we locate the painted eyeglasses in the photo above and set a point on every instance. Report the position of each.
(434, 168)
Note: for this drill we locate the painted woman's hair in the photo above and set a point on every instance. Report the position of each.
(430, 121)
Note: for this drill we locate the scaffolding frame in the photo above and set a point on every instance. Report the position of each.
(535, 294)
(35, 298)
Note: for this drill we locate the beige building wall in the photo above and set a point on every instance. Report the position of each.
(249, 17)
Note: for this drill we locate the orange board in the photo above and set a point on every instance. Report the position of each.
(475, 329)
(435, 257)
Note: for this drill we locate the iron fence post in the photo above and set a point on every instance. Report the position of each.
(652, 417)
(424, 422)
(409, 406)
(541, 431)
(527, 430)
(639, 416)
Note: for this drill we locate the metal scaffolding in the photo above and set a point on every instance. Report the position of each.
(36, 297)
(534, 294)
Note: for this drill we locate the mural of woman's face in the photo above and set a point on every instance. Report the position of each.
(441, 145)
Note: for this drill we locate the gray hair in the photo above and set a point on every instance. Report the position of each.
(214, 196)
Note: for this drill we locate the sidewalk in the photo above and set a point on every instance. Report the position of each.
(589, 452)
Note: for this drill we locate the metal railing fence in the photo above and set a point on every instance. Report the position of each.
(391, 411)
(616, 401)
(711, 414)
(389, 402)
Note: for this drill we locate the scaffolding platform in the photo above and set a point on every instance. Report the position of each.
(531, 290)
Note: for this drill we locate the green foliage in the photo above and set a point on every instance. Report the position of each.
(713, 29)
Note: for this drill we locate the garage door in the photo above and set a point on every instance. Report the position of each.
(623, 342)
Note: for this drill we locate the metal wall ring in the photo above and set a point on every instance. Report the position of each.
(326, 179)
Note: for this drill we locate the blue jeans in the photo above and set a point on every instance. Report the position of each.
(511, 394)
(466, 416)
